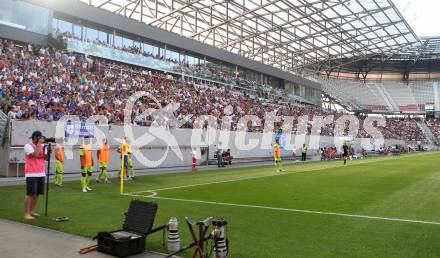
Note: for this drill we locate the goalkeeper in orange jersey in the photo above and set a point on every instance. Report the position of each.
(277, 156)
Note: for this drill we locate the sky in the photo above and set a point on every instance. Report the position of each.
(422, 15)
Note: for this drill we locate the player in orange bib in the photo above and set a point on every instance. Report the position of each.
(103, 158)
(277, 156)
(86, 158)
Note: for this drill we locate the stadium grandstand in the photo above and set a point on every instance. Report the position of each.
(405, 82)
(166, 85)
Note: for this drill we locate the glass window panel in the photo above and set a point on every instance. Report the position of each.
(127, 42)
(54, 24)
(25, 16)
(175, 56)
(148, 48)
(190, 60)
(110, 38)
(102, 36)
(77, 31)
(156, 51)
(91, 34)
(119, 55)
(64, 26)
(118, 41)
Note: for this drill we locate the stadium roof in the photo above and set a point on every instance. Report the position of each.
(420, 58)
(288, 34)
(431, 45)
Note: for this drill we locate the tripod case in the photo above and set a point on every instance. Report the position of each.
(131, 239)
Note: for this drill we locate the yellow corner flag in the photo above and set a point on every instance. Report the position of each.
(122, 169)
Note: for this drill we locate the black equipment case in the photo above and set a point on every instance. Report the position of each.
(131, 238)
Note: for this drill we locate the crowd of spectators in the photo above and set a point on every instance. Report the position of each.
(404, 128)
(209, 70)
(47, 84)
(434, 126)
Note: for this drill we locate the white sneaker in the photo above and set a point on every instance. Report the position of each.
(88, 188)
(84, 190)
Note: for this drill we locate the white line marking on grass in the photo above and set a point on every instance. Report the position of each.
(240, 179)
(211, 183)
(265, 176)
(154, 196)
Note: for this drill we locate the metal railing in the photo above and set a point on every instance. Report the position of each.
(4, 128)
(428, 133)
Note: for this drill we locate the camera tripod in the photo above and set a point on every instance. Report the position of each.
(199, 240)
(47, 147)
(202, 238)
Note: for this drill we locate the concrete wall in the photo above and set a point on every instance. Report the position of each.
(5, 165)
(22, 35)
(154, 151)
(243, 145)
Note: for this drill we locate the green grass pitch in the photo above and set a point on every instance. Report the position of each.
(382, 207)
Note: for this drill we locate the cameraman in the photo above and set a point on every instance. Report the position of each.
(34, 172)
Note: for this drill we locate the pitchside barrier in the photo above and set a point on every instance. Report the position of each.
(175, 150)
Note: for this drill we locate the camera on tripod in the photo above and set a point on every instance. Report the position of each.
(219, 222)
(49, 140)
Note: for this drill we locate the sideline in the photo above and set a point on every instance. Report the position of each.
(360, 216)
(153, 194)
(357, 162)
